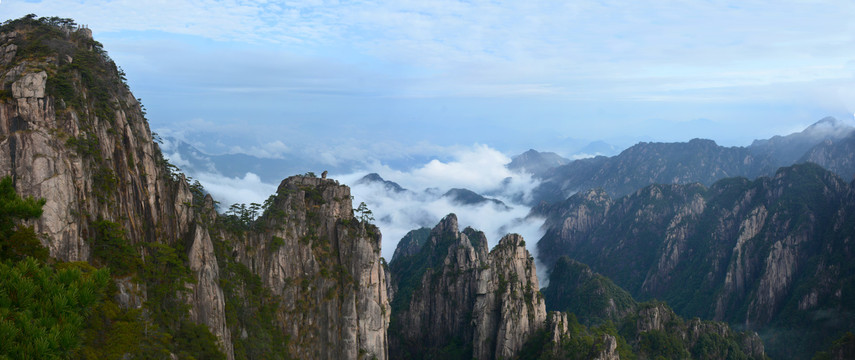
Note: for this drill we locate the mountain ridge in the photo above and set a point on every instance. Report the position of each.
(756, 253)
(698, 160)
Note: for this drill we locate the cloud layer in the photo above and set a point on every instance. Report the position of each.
(479, 45)
(512, 74)
(478, 168)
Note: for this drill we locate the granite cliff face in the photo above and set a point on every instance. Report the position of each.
(94, 159)
(325, 268)
(72, 133)
(762, 255)
(453, 299)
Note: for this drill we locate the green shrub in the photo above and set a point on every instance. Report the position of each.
(16, 242)
(42, 310)
(111, 246)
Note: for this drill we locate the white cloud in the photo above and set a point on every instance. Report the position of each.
(397, 214)
(581, 156)
(246, 190)
(632, 50)
(272, 150)
(478, 168)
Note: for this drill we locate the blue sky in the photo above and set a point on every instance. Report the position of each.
(355, 80)
(388, 86)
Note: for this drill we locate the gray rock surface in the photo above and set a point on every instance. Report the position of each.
(206, 294)
(115, 177)
(31, 85)
(484, 303)
(325, 266)
(90, 163)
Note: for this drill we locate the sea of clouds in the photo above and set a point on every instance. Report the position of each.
(478, 168)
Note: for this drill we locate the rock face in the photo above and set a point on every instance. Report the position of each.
(508, 305)
(97, 160)
(206, 294)
(757, 254)
(560, 332)
(453, 299)
(76, 136)
(325, 267)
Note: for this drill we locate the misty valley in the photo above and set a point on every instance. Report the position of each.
(118, 243)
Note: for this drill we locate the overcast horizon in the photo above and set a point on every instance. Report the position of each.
(358, 81)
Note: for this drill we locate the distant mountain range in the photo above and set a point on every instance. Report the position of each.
(271, 170)
(458, 196)
(828, 142)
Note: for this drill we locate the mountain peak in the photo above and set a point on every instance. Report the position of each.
(372, 177)
(375, 178)
(535, 162)
(828, 126)
(462, 196)
(827, 120)
(448, 224)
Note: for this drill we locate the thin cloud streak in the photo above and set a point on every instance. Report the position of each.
(498, 44)
(510, 74)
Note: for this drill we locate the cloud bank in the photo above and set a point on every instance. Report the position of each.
(478, 168)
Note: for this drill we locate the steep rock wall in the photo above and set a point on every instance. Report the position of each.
(456, 300)
(325, 267)
(757, 254)
(89, 152)
(71, 132)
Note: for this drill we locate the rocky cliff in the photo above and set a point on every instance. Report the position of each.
(765, 255)
(324, 267)
(305, 277)
(454, 299)
(73, 134)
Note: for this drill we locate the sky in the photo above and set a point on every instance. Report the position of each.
(421, 91)
(356, 80)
